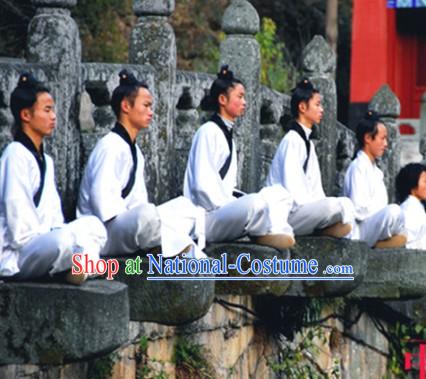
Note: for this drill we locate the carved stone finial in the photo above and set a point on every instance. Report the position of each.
(153, 7)
(385, 102)
(318, 57)
(240, 18)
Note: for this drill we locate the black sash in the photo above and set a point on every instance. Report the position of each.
(294, 125)
(39, 157)
(122, 132)
(228, 135)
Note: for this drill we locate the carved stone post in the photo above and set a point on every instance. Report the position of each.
(53, 38)
(153, 42)
(319, 65)
(241, 52)
(387, 105)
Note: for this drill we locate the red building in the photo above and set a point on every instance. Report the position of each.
(388, 46)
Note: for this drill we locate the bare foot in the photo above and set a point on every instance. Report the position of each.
(398, 240)
(337, 230)
(279, 241)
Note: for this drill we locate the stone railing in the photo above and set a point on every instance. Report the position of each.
(48, 324)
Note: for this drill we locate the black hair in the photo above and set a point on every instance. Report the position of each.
(24, 96)
(127, 89)
(221, 85)
(367, 125)
(408, 179)
(303, 92)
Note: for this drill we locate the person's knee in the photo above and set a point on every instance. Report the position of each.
(331, 208)
(256, 205)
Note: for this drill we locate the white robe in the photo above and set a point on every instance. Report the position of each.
(415, 223)
(375, 219)
(132, 222)
(229, 217)
(311, 209)
(26, 233)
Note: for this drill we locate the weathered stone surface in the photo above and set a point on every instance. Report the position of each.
(152, 42)
(153, 7)
(53, 38)
(240, 18)
(387, 105)
(191, 88)
(318, 58)
(165, 302)
(385, 102)
(242, 54)
(319, 63)
(57, 323)
(345, 151)
(329, 251)
(393, 274)
(249, 287)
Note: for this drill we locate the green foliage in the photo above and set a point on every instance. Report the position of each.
(191, 361)
(145, 365)
(101, 368)
(276, 72)
(105, 27)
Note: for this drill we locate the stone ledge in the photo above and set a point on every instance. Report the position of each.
(233, 249)
(165, 302)
(329, 251)
(393, 274)
(50, 323)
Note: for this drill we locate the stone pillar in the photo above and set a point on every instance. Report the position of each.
(241, 52)
(153, 42)
(53, 38)
(387, 105)
(319, 65)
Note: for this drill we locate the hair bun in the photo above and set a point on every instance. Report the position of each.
(27, 80)
(372, 115)
(127, 78)
(305, 83)
(225, 73)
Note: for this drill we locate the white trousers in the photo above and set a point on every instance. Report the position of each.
(171, 225)
(52, 252)
(255, 214)
(382, 225)
(307, 218)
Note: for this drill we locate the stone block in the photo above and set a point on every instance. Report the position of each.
(393, 274)
(249, 287)
(329, 251)
(49, 323)
(165, 302)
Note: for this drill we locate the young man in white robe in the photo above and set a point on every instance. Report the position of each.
(295, 166)
(34, 241)
(211, 176)
(113, 186)
(411, 192)
(378, 223)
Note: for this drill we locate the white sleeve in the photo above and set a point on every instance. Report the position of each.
(293, 154)
(203, 184)
(21, 216)
(356, 189)
(57, 215)
(414, 224)
(105, 191)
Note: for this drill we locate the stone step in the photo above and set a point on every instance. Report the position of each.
(393, 274)
(165, 302)
(51, 323)
(329, 252)
(249, 286)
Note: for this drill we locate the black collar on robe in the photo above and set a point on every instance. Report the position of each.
(228, 135)
(294, 125)
(41, 162)
(122, 132)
